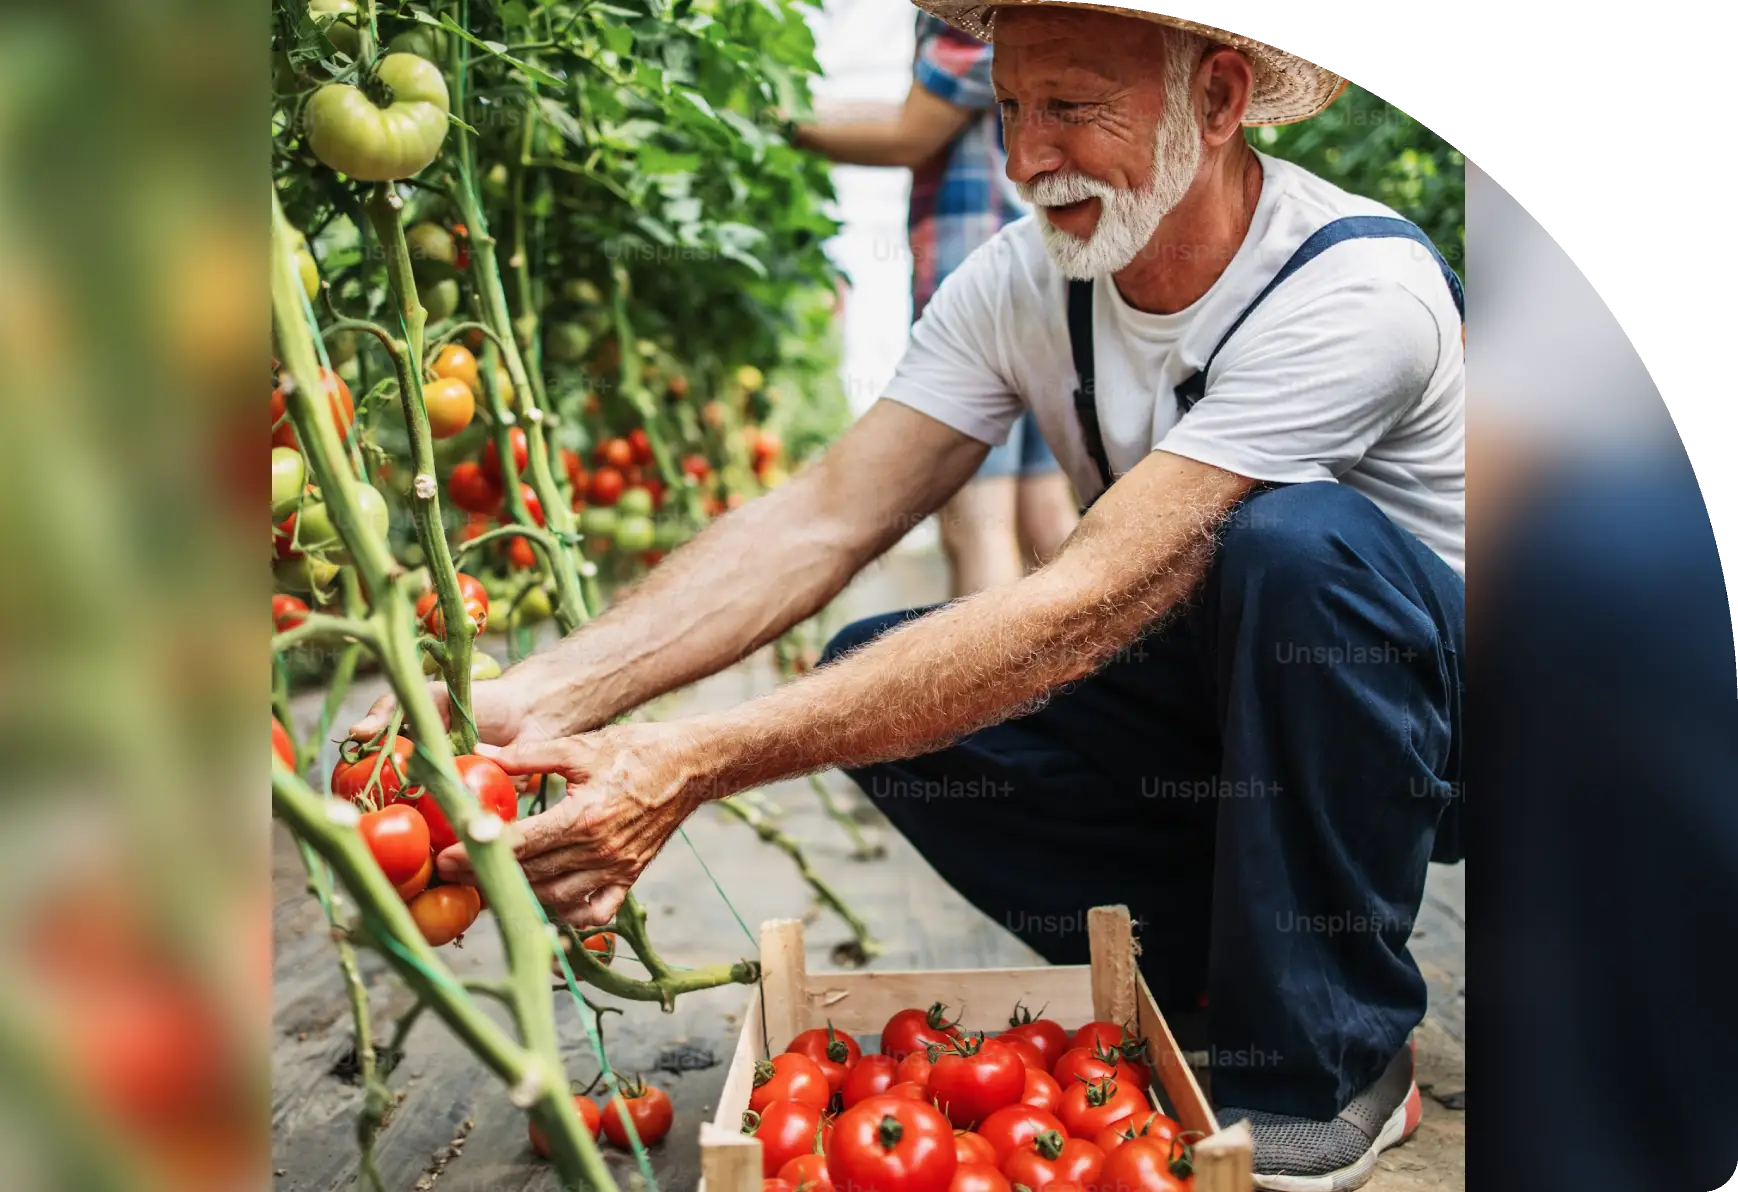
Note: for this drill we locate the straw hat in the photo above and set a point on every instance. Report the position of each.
(1287, 89)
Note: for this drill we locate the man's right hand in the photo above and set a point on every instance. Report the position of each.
(503, 710)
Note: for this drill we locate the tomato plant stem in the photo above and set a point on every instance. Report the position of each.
(384, 207)
(865, 943)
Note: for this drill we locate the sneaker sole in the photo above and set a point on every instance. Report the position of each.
(1400, 1126)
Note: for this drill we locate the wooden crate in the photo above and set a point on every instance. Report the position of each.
(791, 999)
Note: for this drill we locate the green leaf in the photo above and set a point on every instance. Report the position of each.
(494, 48)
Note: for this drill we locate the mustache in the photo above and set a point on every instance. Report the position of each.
(1059, 190)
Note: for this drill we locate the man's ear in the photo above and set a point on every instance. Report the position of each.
(1227, 79)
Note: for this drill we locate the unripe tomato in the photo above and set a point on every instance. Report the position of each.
(444, 913)
(350, 779)
(471, 592)
(338, 402)
(678, 386)
(450, 405)
(351, 134)
(318, 534)
(714, 414)
(647, 1108)
(605, 487)
(617, 453)
(597, 522)
(288, 612)
(434, 254)
(289, 476)
(440, 299)
(640, 443)
(590, 1116)
(870, 1076)
(635, 534)
(489, 782)
(636, 501)
(398, 838)
(471, 489)
(789, 1076)
(834, 1053)
(492, 455)
(566, 342)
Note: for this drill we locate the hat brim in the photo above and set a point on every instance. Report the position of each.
(1286, 88)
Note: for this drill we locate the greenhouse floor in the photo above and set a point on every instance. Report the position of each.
(454, 1129)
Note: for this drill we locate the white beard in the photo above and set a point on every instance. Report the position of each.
(1127, 217)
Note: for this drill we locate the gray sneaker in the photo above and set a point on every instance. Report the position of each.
(1300, 1155)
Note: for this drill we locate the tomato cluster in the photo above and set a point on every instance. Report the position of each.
(938, 1109)
(405, 828)
(643, 1107)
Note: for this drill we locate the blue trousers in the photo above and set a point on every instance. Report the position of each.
(1262, 779)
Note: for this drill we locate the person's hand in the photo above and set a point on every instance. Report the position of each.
(504, 710)
(629, 787)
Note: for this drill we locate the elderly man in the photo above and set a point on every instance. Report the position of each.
(1233, 699)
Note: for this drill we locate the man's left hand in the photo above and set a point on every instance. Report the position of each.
(629, 787)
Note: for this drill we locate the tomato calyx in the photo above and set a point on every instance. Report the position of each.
(836, 1049)
(763, 1072)
(1107, 1055)
(965, 1045)
(889, 1132)
(1022, 1016)
(1100, 1091)
(1183, 1166)
(1049, 1144)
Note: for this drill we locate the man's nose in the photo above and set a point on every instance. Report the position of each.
(1032, 147)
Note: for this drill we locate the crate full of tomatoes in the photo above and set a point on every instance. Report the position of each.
(865, 1081)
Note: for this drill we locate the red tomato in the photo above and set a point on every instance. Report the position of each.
(492, 455)
(647, 1108)
(419, 883)
(1133, 1066)
(910, 1090)
(1023, 1047)
(787, 1130)
(521, 555)
(776, 1185)
(533, 506)
(914, 1068)
(603, 944)
(283, 535)
(489, 782)
(1007, 1130)
(656, 488)
(1109, 1034)
(979, 1177)
(640, 444)
(1047, 1036)
(1088, 1108)
(589, 1115)
(890, 1144)
(806, 1173)
(767, 446)
(605, 487)
(789, 1076)
(697, 466)
(973, 1148)
(617, 453)
(1142, 1166)
(472, 491)
(476, 602)
(281, 745)
(1051, 1157)
(339, 402)
(976, 1077)
(1156, 1127)
(1082, 1063)
(833, 1053)
(444, 913)
(913, 1030)
(350, 779)
(398, 838)
(870, 1077)
(288, 612)
(570, 463)
(1041, 1091)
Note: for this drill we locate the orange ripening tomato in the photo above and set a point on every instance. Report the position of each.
(589, 1116)
(471, 592)
(457, 362)
(450, 404)
(617, 453)
(602, 945)
(444, 913)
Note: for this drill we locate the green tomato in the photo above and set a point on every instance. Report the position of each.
(350, 133)
(635, 534)
(597, 521)
(583, 292)
(534, 607)
(433, 251)
(441, 300)
(318, 534)
(337, 20)
(289, 474)
(425, 41)
(566, 342)
(495, 181)
(482, 666)
(671, 534)
(306, 574)
(635, 502)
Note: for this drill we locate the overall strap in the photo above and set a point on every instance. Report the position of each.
(1085, 395)
(1351, 227)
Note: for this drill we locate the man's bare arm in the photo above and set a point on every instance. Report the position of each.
(907, 135)
(1142, 548)
(737, 585)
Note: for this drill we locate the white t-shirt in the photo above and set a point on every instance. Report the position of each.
(1350, 370)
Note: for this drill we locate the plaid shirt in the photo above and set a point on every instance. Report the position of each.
(960, 197)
